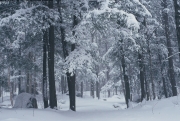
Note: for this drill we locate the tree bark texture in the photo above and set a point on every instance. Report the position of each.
(52, 88)
(126, 82)
(44, 88)
(141, 67)
(169, 46)
(177, 21)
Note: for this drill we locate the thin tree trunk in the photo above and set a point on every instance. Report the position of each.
(169, 46)
(44, 85)
(141, 66)
(0, 90)
(27, 82)
(62, 84)
(109, 93)
(19, 79)
(82, 89)
(92, 88)
(10, 86)
(30, 82)
(123, 84)
(116, 89)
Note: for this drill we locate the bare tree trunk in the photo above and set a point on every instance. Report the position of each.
(141, 66)
(30, 82)
(169, 46)
(19, 79)
(177, 21)
(52, 87)
(116, 89)
(123, 85)
(44, 85)
(10, 86)
(162, 76)
(62, 84)
(92, 88)
(27, 82)
(70, 79)
(109, 93)
(0, 90)
(97, 90)
(126, 82)
(82, 89)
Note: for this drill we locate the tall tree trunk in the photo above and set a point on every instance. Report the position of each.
(150, 64)
(169, 46)
(19, 78)
(44, 88)
(141, 66)
(177, 21)
(52, 88)
(70, 78)
(30, 73)
(126, 82)
(162, 76)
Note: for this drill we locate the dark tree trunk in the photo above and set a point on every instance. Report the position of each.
(164, 87)
(116, 89)
(92, 88)
(62, 84)
(70, 78)
(27, 83)
(44, 88)
(72, 93)
(19, 79)
(109, 93)
(162, 76)
(82, 89)
(146, 84)
(126, 82)
(141, 66)
(0, 90)
(52, 88)
(97, 90)
(177, 21)
(169, 46)
(19, 83)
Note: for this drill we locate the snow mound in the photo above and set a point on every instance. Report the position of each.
(25, 100)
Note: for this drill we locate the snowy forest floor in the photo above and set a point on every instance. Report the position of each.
(89, 109)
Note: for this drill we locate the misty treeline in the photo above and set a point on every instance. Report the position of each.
(71, 46)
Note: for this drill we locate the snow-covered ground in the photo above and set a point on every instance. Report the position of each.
(89, 109)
